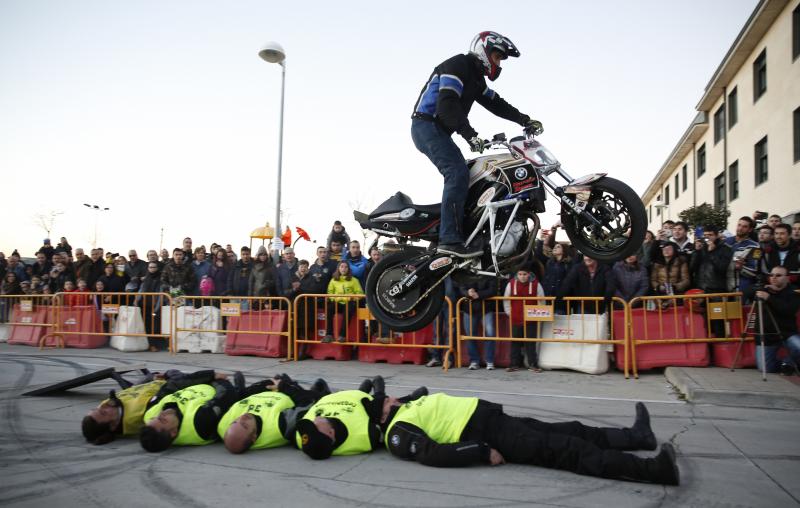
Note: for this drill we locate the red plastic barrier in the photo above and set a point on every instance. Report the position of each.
(724, 352)
(269, 345)
(334, 351)
(28, 335)
(690, 325)
(399, 355)
(81, 321)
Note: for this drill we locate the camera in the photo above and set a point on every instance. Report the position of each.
(759, 215)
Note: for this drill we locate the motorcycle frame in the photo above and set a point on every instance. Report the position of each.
(489, 214)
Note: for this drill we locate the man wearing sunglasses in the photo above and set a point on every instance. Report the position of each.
(783, 302)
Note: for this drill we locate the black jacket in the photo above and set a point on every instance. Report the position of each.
(710, 268)
(578, 282)
(407, 441)
(486, 287)
(783, 306)
(450, 91)
(771, 258)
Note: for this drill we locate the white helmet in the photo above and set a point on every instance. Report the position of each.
(482, 46)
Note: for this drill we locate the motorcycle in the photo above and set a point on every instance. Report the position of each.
(603, 218)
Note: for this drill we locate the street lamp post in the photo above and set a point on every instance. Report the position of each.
(273, 52)
(96, 209)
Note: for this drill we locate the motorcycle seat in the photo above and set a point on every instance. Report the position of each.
(400, 202)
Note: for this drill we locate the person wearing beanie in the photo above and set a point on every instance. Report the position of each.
(347, 422)
(670, 274)
(339, 234)
(446, 431)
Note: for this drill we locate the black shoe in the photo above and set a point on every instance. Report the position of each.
(378, 386)
(458, 250)
(416, 394)
(642, 433)
(321, 386)
(238, 381)
(365, 386)
(787, 369)
(666, 466)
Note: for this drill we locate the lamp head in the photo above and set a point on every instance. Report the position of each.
(272, 52)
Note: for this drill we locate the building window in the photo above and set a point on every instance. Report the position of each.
(797, 135)
(676, 185)
(658, 208)
(761, 161)
(733, 181)
(796, 32)
(733, 108)
(701, 160)
(719, 190)
(685, 174)
(760, 75)
(666, 195)
(719, 124)
(650, 213)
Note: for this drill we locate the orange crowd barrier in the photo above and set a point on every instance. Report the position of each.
(351, 324)
(25, 319)
(586, 322)
(677, 330)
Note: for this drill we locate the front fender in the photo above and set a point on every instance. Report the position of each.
(581, 183)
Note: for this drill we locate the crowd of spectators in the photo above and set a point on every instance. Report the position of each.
(668, 263)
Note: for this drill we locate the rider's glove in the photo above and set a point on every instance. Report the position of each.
(476, 144)
(533, 127)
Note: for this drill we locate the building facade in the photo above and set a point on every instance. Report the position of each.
(742, 150)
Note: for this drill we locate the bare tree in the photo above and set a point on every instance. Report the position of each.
(46, 220)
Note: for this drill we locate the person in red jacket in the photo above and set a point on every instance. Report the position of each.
(524, 284)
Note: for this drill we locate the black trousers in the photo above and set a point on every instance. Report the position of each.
(530, 347)
(346, 311)
(570, 446)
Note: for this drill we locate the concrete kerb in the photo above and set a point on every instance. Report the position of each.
(697, 390)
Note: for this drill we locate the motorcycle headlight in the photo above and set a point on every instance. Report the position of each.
(407, 213)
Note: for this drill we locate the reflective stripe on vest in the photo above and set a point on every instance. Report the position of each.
(442, 417)
(134, 402)
(189, 400)
(268, 406)
(345, 406)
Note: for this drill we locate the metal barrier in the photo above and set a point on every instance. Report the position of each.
(720, 311)
(541, 309)
(24, 318)
(87, 319)
(347, 313)
(244, 324)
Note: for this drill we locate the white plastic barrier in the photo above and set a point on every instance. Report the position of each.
(128, 320)
(5, 331)
(197, 320)
(588, 358)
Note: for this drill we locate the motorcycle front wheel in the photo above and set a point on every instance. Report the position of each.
(401, 314)
(622, 217)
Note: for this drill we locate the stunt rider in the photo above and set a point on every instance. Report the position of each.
(442, 108)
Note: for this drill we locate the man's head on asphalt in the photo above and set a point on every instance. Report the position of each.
(99, 425)
(321, 436)
(159, 433)
(242, 433)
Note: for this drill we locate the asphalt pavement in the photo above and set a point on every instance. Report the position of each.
(729, 454)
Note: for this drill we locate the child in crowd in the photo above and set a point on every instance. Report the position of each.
(523, 284)
(339, 234)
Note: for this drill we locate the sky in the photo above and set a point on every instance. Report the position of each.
(164, 113)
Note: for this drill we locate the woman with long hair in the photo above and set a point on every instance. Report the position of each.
(343, 283)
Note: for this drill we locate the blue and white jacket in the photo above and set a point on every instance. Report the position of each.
(450, 91)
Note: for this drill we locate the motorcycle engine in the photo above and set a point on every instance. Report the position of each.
(509, 245)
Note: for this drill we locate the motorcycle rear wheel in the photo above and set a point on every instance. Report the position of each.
(620, 210)
(384, 275)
